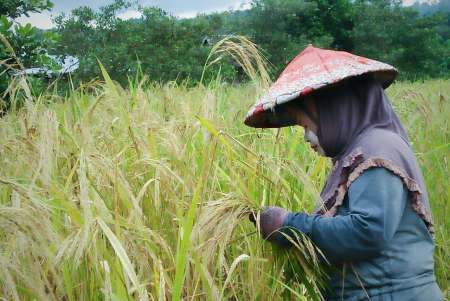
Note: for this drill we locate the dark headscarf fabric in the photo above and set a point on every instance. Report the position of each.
(359, 129)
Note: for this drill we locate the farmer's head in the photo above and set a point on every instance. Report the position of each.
(306, 113)
(321, 80)
(335, 116)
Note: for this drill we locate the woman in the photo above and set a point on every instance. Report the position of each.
(374, 222)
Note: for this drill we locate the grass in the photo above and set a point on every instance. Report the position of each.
(144, 193)
(117, 188)
(424, 110)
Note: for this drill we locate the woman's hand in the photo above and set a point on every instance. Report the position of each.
(270, 220)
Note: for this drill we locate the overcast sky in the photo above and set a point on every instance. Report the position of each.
(180, 8)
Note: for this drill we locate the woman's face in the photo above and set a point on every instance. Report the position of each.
(310, 127)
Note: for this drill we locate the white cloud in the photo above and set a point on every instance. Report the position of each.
(40, 20)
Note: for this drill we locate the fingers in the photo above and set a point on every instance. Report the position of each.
(252, 217)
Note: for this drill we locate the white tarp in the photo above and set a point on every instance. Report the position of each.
(68, 64)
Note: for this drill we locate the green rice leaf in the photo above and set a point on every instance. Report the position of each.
(123, 257)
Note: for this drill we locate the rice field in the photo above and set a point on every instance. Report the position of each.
(144, 193)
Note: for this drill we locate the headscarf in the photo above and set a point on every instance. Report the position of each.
(359, 129)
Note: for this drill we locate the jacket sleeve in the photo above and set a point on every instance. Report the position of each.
(376, 200)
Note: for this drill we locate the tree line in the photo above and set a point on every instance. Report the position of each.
(165, 48)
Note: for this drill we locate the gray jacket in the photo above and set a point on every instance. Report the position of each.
(380, 246)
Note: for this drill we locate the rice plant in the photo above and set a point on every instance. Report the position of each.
(144, 193)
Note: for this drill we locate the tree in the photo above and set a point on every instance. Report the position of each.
(15, 8)
(93, 36)
(156, 45)
(380, 29)
(164, 48)
(321, 18)
(266, 25)
(397, 35)
(19, 46)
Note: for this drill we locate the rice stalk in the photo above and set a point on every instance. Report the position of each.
(20, 80)
(47, 147)
(135, 162)
(216, 227)
(246, 54)
(26, 256)
(124, 259)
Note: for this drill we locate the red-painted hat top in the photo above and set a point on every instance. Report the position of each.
(311, 70)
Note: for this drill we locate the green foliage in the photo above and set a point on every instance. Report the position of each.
(378, 29)
(319, 18)
(283, 28)
(20, 48)
(169, 49)
(15, 8)
(25, 48)
(163, 47)
(430, 7)
(396, 35)
(266, 25)
(140, 193)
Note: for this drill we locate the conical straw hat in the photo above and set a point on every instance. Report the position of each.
(311, 70)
